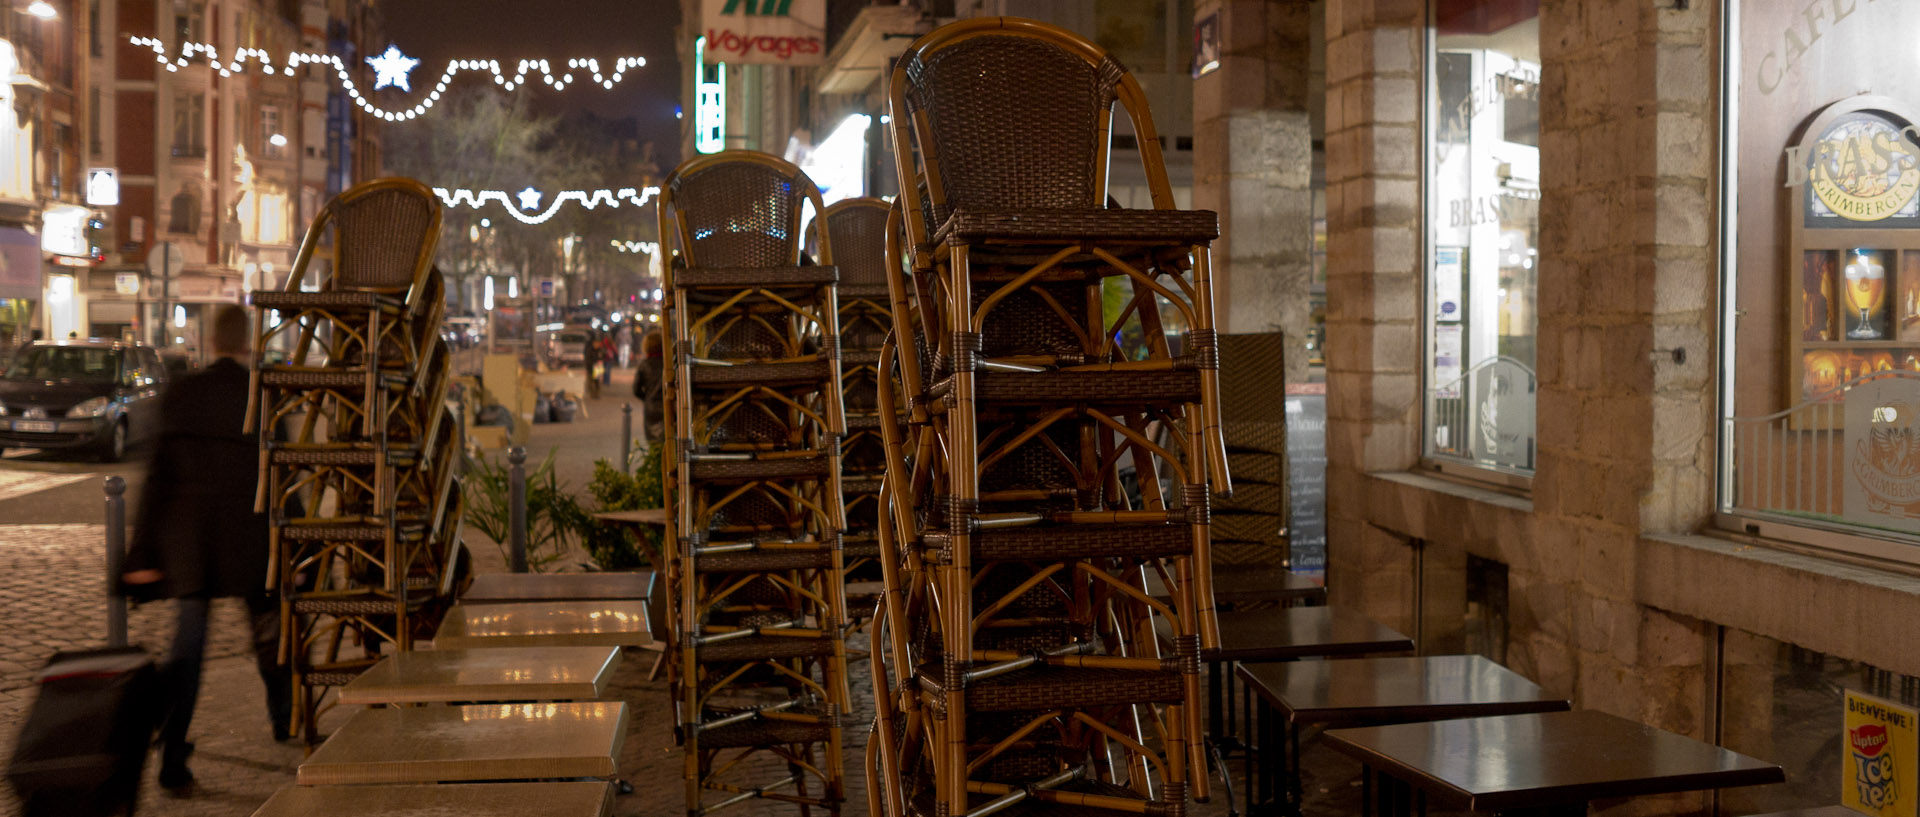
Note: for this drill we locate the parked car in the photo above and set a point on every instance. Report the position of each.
(91, 394)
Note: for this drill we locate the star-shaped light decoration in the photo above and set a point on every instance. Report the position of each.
(391, 67)
(529, 199)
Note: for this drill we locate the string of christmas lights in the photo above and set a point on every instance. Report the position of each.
(528, 209)
(391, 69)
(647, 247)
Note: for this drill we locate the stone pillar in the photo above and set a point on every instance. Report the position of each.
(1626, 276)
(1253, 164)
(1373, 291)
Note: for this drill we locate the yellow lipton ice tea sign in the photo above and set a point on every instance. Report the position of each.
(1878, 775)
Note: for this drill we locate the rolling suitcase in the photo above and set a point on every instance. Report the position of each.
(85, 740)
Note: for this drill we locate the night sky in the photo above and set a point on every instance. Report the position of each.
(435, 31)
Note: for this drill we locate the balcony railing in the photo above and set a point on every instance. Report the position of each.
(1485, 418)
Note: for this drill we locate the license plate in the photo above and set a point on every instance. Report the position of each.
(43, 426)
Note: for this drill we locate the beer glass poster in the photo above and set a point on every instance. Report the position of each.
(1877, 776)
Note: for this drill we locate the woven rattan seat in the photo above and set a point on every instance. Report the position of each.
(1106, 225)
(763, 732)
(859, 485)
(863, 422)
(859, 357)
(1102, 388)
(876, 291)
(765, 648)
(330, 678)
(815, 467)
(1045, 687)
(763, 561)
(745, 277)
(336, 299)
(1064, 542)
(799, 373)
(347, 379)
(350, 531)
(366, 604)
(861, 548)
(339, 455)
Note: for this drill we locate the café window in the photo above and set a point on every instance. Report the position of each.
(1820, 375)
(1483, 234)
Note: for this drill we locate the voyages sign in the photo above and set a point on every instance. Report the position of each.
(777, 32)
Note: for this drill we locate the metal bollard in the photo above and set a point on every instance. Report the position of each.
(517, 507)
(116, 558)
(626, 438)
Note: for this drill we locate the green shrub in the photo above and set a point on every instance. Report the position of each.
(555, 519)
(613, 547)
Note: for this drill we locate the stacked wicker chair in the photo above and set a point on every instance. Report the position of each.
(1021, 667)
(358, 475)
(858, 228)
(1248, 527)
(752, 470)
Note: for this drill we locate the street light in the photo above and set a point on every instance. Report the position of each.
(43, 10)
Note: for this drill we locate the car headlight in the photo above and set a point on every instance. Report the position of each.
(3, 409)
(93, 407)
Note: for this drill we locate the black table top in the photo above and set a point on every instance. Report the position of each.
(1546, 759)
(1396, 689)
(1816, 811)
(1238, 585)
(1302, 632)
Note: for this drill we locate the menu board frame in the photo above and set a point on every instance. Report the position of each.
(1829, 343)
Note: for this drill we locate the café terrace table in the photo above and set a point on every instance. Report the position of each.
(450, 744)
(1284, 634)
(565, 799)
(1542, 763)
(482, 675)
(506, 587)
(1233, 587)
(1371, 690)
(545, 624)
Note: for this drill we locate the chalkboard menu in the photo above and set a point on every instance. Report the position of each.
(1307, 477)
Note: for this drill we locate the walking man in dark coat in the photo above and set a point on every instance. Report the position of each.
(197, 537)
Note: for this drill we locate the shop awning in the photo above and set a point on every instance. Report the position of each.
(19, 264)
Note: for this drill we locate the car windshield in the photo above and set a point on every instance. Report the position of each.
(572, 338)
(80, 364)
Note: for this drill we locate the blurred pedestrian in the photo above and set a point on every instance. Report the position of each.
(648, 378)
(607, 358)
(591, 352)
(198, 539)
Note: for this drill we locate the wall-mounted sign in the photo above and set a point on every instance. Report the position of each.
(63, 230)
(103, 187)
(780, 32)
(1877, 770)
(545, 287)
(710, 102)
(126, 283)
(839, 164)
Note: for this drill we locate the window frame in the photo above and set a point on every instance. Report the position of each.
(1825, 539)
(190, 111)
(1517, 480)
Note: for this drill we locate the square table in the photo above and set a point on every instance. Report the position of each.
(1284, 634)
(507, 587)
(483, 675)
(1545, 762)
(1361, 691)
(1233, 587)
(568, 799)
(450, 744)
(545, 624)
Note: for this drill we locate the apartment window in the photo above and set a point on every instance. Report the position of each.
(93, 121)
(1821, 265)
(93, 27)
(1483, 234)
(57, 138)
(189, 23)
(273, 140)
(190, 124)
